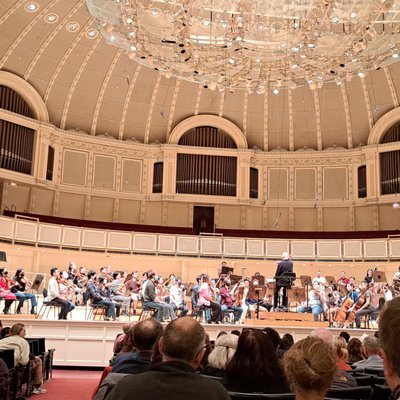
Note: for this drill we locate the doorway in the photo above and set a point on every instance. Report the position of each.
(203, 219)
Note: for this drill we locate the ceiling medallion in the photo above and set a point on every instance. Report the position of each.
(254, 45)
(92, 33)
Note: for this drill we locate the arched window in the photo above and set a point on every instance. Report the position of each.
(16, 141)
(390, 163)
(202, 173)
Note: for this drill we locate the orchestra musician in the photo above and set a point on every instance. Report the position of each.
(115, 289)
(162, 295)
(97, 297)
(316, 301)
(321, 280)
(369, 278)
(396, 283)
(366, 308)
(177, 297)
(228, 299)
(206, 300)
(53, 294)
(132, 289)
(343, 280)
(22, 284)
(285, 267)
(5, 290)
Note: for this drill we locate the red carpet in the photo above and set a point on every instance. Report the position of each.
(70, 385)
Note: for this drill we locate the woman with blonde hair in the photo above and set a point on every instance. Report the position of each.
(342, 354)
(310, 367)
(224, 349)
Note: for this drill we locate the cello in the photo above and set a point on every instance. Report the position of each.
(360, 302)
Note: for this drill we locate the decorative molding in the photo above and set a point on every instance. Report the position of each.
(209, 120)
(382, 125)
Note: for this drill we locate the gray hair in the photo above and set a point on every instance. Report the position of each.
(372, 344)
(225, 348)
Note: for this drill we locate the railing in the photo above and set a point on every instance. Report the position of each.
(32, 232)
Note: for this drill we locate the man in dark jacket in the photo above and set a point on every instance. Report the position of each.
(145, 336)
(284, 268)
(182, 347)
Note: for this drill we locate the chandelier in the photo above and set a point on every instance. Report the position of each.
(254, 44)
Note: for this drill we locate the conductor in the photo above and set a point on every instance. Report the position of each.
(283, 279)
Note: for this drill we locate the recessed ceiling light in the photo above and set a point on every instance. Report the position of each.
(72, 26)
(92, 33)
(31, 6)
(51, 18)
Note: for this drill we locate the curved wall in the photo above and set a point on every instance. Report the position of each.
(101, 178)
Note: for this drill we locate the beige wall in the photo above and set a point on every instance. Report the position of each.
(109, 180)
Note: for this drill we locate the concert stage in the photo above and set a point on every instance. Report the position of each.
(89, 343)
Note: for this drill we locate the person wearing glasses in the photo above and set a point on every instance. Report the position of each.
(182, 347)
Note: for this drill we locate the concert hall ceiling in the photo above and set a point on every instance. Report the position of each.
(93, 87)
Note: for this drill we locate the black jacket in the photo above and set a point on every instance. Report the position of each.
(285, 267)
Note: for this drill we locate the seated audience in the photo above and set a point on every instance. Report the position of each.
(389, 333)
(345, 336)
(341, 355)
(371, 349)
(255, 366)
(354, 348)
(224, 349)
(310, 367)
(17, 342)
(182, 346)
(145, 335)
(119, 340)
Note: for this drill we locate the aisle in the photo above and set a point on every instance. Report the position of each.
(70, 384)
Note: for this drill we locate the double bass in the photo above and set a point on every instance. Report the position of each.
(352, 315)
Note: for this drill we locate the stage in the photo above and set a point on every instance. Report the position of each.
(78, 342)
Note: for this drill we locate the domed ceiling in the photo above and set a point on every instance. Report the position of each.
(91, 86)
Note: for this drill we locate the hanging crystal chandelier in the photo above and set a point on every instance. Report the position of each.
(254, 44)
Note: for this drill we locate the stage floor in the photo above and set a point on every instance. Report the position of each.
(78, 342)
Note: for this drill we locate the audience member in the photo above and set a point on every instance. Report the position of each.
(389, 333)
(119, 340)
(354, 348)
(17, 342)
(341, 355)
(371, 349)
(255, 366)
(182, 346)
(310, 367)
(345, 336)
(145, 335)
(5, 332)
(224, 349)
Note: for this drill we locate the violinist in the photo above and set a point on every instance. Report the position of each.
(177, 297)
(343, 280)
(5, 290)
(132, 289)
(117, 295)
(205, 300)
(79, 279)
(366, 308)
(22, 284)
(162, 294)
(316, 301)
(228, 300)
(53, 290)
(396, 283)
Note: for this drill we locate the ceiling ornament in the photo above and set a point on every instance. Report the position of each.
(256, 45)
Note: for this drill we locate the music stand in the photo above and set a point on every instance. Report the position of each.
(306, 282)
(37, 282)
(259, 278)
(226, 270)
(258, 290)
(379, 276)
(235, 279)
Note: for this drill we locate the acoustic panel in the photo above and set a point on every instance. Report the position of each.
(275, 248)
(303, 248)
(104, 172)
(278, 184)
(131, 175)
(335, 184)
(119, 241)
(352, 249)
(255, 247)
(166, 243)
(235, 247)
(74, 170)
(143, 242)
(375, 249)
(50, 234)
(25, 231)
(305, 184)
(212, 246)
(329, 249)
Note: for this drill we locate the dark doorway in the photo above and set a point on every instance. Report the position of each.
(203, 219)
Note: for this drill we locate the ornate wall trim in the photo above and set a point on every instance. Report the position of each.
(30, 95)
(382, 125)
(209, 120)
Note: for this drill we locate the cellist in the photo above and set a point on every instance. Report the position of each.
(366, 308)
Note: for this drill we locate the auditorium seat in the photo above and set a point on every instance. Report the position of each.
(47, 306)
(356, 393)
(381, 392)
(271, 396)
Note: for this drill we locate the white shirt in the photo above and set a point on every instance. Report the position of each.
(20, 347)
(176, 296)
(53, 290)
